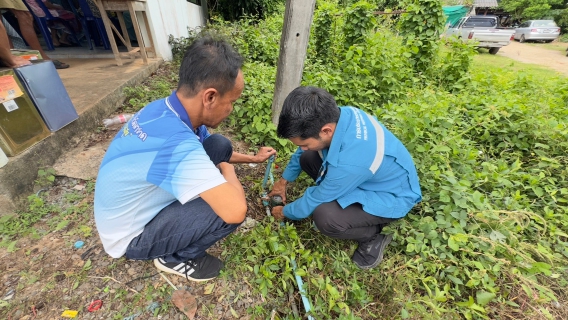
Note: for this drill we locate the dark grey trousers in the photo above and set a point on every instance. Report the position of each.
(350, 223)
(182, 232)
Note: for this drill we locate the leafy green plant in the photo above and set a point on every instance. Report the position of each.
(454, 70)
(252, 113)
(377, 72)
(323, 19)
(260, 40)
(359, 21)
(490, 150)
(153, 89)
(45, 177)
(234, 10)
(529, 9)
(421, 26)
(20, 224)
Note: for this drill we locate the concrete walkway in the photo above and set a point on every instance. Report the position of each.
(96, 88)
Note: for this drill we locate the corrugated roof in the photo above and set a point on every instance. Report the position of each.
(485, 3)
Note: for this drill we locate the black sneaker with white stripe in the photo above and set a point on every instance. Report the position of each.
(200, 269)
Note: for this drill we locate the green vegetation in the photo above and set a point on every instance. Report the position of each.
(71, 209)
(531, 9)
(421, 28)
(156, 87)
(535, 10)
(483, 62)
(488, 240)
(557, 46)
(489, 138)
(232, 10)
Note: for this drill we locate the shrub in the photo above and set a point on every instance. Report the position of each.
(234, 10)
(489, 239)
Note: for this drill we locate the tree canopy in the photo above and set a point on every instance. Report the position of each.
(531, 9)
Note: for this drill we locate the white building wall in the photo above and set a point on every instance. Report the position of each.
(171, 17)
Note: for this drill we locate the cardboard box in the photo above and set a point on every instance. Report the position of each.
(30, 55)
(21, 126)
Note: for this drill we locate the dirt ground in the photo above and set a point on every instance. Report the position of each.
(535, 53)
(46, 275)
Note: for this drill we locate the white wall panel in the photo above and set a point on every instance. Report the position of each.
(171, 17)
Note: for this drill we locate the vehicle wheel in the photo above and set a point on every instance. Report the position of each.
(494, 50)
(522, 38)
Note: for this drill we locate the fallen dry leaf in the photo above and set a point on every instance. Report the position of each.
(209, 288)
(185, 302)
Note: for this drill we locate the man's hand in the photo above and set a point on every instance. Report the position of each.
(279, 189)
(263, 154)
(278, 212)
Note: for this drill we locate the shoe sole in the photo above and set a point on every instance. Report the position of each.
(161, 267)
(384, 244)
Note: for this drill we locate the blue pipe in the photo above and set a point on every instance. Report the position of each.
(268, 172)
(267, 176)
(266, 202)
(300, 284)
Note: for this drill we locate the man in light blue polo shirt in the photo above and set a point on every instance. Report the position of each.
(166, 190)
(364, 176)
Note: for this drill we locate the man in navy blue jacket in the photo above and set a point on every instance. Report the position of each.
(364, 176)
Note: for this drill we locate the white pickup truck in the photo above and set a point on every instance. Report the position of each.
(484, 30)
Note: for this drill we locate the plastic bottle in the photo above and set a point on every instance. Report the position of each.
(121, 118)
(3, 158)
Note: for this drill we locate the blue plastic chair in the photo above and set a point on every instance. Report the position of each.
(42, 24)
(89, 20)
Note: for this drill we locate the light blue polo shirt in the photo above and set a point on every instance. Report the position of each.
(154, 160)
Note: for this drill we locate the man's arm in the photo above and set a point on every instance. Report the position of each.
(337, 183)
(228, 199)
(183, 168)
(263, 154)
(293, 168)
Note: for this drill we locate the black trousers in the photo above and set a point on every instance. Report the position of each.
(336, 222)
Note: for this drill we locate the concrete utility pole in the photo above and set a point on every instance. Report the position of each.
(293, 45)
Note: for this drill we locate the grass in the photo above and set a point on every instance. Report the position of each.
(557, 46)
(488, 61)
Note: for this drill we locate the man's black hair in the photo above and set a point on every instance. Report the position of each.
(305, 111)
(209, 62)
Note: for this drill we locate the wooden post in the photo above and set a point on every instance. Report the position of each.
(293, 45)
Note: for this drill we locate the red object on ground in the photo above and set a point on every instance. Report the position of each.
(34, 312)
(95, 305)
